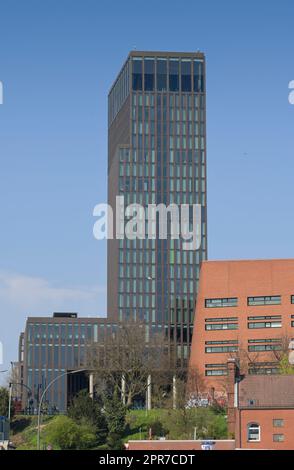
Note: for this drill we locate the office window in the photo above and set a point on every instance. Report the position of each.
(265, 347)
(266, 317)
(292, 299)
(221, 349)
(268, 300)
(278, 423)
(149, 74)
(216, 372)
(221, 319)
(186, 82)
(161, 74)
(253, 432)
(221, 326)
(174, 75)
(266, 340)
(270, 324)
(137, 73)
(198, 77)
(216, 369)
(278, 437)
(221, 302)
(230, 341)
(225, 323)
(263, 370)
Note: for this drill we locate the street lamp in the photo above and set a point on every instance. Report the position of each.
(43, 395)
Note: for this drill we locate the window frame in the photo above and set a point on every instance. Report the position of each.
(267, 300)
(208, 303)
(275, 425)
(250, 426)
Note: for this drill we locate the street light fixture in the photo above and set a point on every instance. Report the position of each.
(43, 395)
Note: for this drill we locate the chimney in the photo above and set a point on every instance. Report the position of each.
(232, 373)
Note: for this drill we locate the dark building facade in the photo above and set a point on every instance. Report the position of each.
(157, 155)
(56, 345)
(66, 348)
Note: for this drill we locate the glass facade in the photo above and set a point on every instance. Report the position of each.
(53, 347)
(119, 93)
(164, 162)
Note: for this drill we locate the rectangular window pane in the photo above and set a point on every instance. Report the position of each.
(278, 423)
(265, 325)
(267, 300)
(221, 326)
(161, 74)
(149, 74)
(173, 75)
(186, 82)
(222, 302)
(198, 77)
(137, 73)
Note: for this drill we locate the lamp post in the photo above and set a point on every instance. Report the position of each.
(43, 395)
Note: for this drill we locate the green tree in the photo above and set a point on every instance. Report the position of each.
(185, 423)
(4, 401)
(85, 410)
(63, 433)
(157, 428)
(115, 414)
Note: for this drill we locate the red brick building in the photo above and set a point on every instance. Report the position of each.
(260, 416)
(261, 410)
(245, 309)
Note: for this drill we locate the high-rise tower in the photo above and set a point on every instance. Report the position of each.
(157, 155)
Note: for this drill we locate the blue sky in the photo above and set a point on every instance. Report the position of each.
(58, 59)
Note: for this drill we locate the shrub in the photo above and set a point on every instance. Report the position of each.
(62, 432)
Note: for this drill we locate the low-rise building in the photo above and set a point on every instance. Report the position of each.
(244, 310)
(260, 410)
(53, 346)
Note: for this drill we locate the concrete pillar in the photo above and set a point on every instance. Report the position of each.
(91, 385)
(174, 392)
(123, 389)
(149, 394)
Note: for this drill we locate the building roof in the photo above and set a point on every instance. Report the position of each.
(267, 391)
(246, 278)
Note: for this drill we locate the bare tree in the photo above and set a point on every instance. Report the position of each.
(128, 358)
(244, 359)
(195, 383)
(280, 352)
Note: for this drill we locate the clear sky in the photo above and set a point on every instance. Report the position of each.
(58, 59)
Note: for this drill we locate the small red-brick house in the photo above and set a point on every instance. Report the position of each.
(261, 410)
